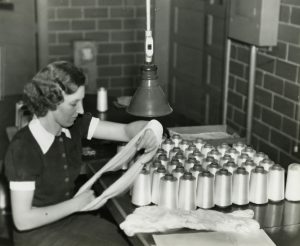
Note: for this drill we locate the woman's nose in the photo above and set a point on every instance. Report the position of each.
(79, 108)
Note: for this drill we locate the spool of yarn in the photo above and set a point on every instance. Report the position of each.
(199, 156)
(176, 138)
(162, 141)
(184, 144)
(230, 166)
(258, 193)
(213, 167)
(239, 146)
(215, 154)
(242, 158)
(157, 175)
(190, 163)
(258, 157)
(292, 192)
(168, 196)
(159, 152)
(153, 166)
(199, 142)
(172, 165)
(163, 159)
(222, 148)
(141, 189)
(147, 165)
(178, 172)
(167, 145)
(205, 190)
(240, 186)
(196, 170)
(173, 152)
(266, 164)
(207, 161)
(223, 188)
(249, 151)
(206, 148)
(191, 156)
(102, 104)
(180, 157)
(187, 192)
(276, 183)
(249, 165)
(224, 159)
(234, 153)
(189, 150)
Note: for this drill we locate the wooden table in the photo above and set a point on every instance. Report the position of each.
(281, 221)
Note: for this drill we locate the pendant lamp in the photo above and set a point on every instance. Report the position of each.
(149, 100)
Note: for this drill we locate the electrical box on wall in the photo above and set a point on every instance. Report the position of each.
(254, 21)
(85, 57)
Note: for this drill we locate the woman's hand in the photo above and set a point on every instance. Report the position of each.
(84, 199)
(147, 141)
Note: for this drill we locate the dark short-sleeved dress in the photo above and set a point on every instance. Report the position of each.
(54, 163)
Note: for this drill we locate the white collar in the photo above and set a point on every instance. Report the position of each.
(42, 136)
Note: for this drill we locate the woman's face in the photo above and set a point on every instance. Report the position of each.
(67, 112)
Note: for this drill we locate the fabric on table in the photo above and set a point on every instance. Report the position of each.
(117, 161)
(158, 219)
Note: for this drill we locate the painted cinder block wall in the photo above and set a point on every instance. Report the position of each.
(117, 27)
(276, 120)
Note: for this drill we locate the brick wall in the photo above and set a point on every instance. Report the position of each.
(276, 121)
(117, 26)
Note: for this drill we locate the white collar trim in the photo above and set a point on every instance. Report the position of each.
(44, 138)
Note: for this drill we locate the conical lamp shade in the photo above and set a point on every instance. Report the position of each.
(149, 99)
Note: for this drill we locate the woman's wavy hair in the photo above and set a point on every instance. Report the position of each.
(44, 91)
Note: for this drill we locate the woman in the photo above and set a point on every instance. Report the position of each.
(44, 159)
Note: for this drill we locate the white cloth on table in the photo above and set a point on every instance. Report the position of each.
(124, 156)
(149, 219)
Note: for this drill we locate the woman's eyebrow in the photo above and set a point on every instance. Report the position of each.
(77, 100)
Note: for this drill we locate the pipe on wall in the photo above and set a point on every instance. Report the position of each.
(250, 88)
(226, 83)
(251, 93)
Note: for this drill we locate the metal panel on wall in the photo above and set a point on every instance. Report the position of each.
(255, 22)
(186, 56)
(18, 37)
(198, 34)
(85, 57)
(216, 13)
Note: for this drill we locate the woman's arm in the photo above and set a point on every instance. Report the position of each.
(27, 217)
(124, 132)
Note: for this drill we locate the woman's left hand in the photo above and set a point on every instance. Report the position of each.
(147, 141)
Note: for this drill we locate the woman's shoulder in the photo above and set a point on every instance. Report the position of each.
(23, 134)
(23, 157)
(23, 139)
(82, 124)
(84, 118)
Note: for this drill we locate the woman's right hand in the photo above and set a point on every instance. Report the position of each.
(84, 199)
